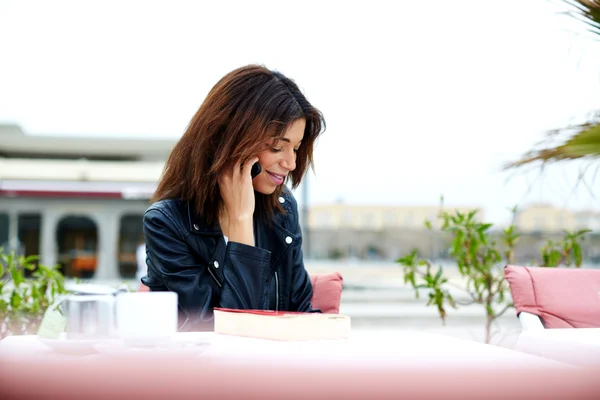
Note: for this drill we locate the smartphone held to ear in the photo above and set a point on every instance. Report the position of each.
(256, 169)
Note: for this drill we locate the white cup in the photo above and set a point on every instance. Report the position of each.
(146, 318)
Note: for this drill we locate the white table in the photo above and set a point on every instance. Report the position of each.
(375, 364)
(580, 346)
(363, 348)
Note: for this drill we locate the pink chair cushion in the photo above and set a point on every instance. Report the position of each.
(327, 292)
(561, 297)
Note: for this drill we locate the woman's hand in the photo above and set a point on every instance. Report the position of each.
(238, 198)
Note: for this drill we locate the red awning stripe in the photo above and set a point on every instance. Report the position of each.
(59, 194)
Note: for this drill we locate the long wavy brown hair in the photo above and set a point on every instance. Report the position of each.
(245, 110)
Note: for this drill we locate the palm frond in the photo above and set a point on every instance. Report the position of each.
(586, 11)
(580, 141)
(584, 142)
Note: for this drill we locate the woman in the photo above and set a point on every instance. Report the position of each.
(215, 235)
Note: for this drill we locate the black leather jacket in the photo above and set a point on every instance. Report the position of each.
(186, 256)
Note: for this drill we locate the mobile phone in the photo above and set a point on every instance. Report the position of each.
(256, 169)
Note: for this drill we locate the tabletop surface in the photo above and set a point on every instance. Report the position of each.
(579, 346)
(364, 347)
(370, 364)
(590, 336)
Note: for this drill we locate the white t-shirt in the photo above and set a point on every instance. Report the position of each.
(142, 268)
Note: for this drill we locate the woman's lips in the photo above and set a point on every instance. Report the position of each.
(276, 178)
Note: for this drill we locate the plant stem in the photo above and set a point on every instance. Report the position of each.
(488, 328)
(504, 310)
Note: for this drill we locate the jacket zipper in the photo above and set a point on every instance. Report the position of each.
(214, 277)
(276, 291)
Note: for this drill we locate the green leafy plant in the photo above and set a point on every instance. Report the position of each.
(566, 252)
(480, 257)
(24, 300)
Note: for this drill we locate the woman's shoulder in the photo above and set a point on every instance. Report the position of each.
(181, 214)
(165, 206)
(171, 211)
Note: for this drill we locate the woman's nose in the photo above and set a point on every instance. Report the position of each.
(289, 161)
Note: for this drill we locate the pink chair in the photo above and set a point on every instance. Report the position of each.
(555, 297)
(327, 291)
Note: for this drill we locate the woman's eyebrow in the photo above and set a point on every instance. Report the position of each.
(288, 140)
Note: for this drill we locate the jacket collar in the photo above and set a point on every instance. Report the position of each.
(275, 236)
(277, 239)
(197, 224)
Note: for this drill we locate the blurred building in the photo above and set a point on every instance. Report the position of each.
(547, 218)
(377, 232)
(377, 218)
(77, 201)
(539, 223)
(588, 219)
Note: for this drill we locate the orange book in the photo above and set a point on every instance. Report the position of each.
(281, 325)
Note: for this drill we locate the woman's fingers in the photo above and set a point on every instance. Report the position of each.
(247, 168)
(237, 191)
(239, 170)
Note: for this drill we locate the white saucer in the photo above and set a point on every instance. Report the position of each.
(90, 288)
(172, 349)
(73, 347)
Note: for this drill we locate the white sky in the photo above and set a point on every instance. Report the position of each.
(420, 98)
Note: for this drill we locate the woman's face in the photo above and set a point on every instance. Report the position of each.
(279, 158)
